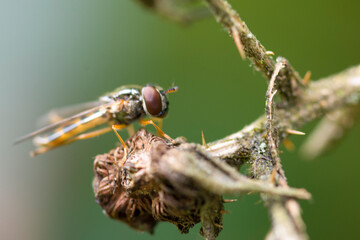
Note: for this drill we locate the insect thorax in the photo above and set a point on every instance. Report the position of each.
(127, 105)
(131, 112)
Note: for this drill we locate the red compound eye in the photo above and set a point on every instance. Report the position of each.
(152, 100)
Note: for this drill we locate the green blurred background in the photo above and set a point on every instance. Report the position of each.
(57, 53)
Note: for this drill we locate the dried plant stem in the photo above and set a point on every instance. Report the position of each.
(272, 137)
(331, 129)
(219, 178)
(284, 212)
(301, 103)
(250, 144)
(249, 46)
(318, 99)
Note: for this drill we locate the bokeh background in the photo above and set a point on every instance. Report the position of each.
(57, 53)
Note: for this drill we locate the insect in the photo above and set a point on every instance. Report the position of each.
(116, 110)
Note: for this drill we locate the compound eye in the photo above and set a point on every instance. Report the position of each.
(152, 100)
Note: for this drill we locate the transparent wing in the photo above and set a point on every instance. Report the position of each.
(59, 114)
(63, 121)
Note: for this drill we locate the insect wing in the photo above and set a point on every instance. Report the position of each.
(63, 122)
(59, 114)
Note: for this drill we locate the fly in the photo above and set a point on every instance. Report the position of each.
(117, 110)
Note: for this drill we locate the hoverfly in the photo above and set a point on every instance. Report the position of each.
(117, 110)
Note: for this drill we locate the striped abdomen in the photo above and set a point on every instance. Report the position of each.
(63, 134)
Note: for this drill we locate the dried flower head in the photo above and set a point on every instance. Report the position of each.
(146, 187)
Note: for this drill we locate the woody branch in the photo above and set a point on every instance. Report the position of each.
(249, 46)
(301, 102)
(184, 168)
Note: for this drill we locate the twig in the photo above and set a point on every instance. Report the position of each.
(284, 212)
(219, 178)
(331, 129)
(247, 43)
(303, 102)
(272, 136)
(319, 98)
(250, 144)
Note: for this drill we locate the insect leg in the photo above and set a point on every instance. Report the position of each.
(160, 132)
(89, 135)
(116, 127)
(159, 123)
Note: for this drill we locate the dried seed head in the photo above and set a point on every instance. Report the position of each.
(143, 189)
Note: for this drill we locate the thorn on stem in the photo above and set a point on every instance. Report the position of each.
(222, 212)
(294, 132)
(270, 53)
(203, 139)
(218, 225)
(307, 77)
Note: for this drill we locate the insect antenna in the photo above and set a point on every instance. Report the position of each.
(171, 90)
